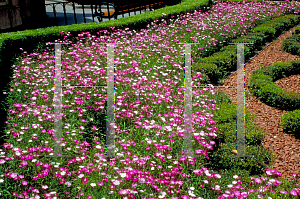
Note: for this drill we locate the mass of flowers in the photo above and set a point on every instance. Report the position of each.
(149, 113)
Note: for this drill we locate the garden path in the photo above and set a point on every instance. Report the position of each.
(285, 147)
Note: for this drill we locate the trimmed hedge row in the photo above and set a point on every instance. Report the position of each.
(290, 121)
(292, 43)
(217, 66)
(261, 85)
(225, 118)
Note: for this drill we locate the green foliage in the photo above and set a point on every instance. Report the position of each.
(221, 159)
(225, 113)
(256, 39)
(285, 21)
(99, 120)
(290, 122)
(261, 84)
(209, 69)
(268, 31)
(278, 26)
(280, 70)
(295, 18)
(204, 79)
(297, 31)
(218, 65)
(292, 44)
(219, 97)
(225, 61)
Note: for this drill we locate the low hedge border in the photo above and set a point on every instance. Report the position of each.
(261, 85)
(217, 66)
(225, 118)
(292, 44)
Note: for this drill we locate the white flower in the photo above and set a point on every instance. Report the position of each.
(80, 176)
(235, 176)
(218, 176)
(230, 185)
(1, 180)
(234, 182)
(123, 175)
(116, 182)
(142, 180)
(93, 184)
(68, 183)
(45, 187)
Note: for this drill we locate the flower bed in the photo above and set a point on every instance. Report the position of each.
(149, 131)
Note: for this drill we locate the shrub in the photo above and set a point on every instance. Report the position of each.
(286, 21)
(292, 43)
(290, 122)
(209, 69)
(278, 26)
(268, 31)
(261, 85)
(295, 18)
(297, 31)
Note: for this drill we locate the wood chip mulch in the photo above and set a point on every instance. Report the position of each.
(285, 147)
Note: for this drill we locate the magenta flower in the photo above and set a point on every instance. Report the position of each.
(185, 197)
(85, 180)
(293, 192)
(100, 183)
(283, 192)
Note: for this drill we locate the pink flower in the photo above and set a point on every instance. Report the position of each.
(124, 192)
(257, 180)
(89, 196)
(85, 180)
(283, 192)
(112, 186)
(24, 183)
(185, 197)
(293, 192)
(100, 183)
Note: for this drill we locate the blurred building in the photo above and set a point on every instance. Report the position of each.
(20, 14)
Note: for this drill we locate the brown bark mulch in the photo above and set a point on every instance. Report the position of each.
(285, 147)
